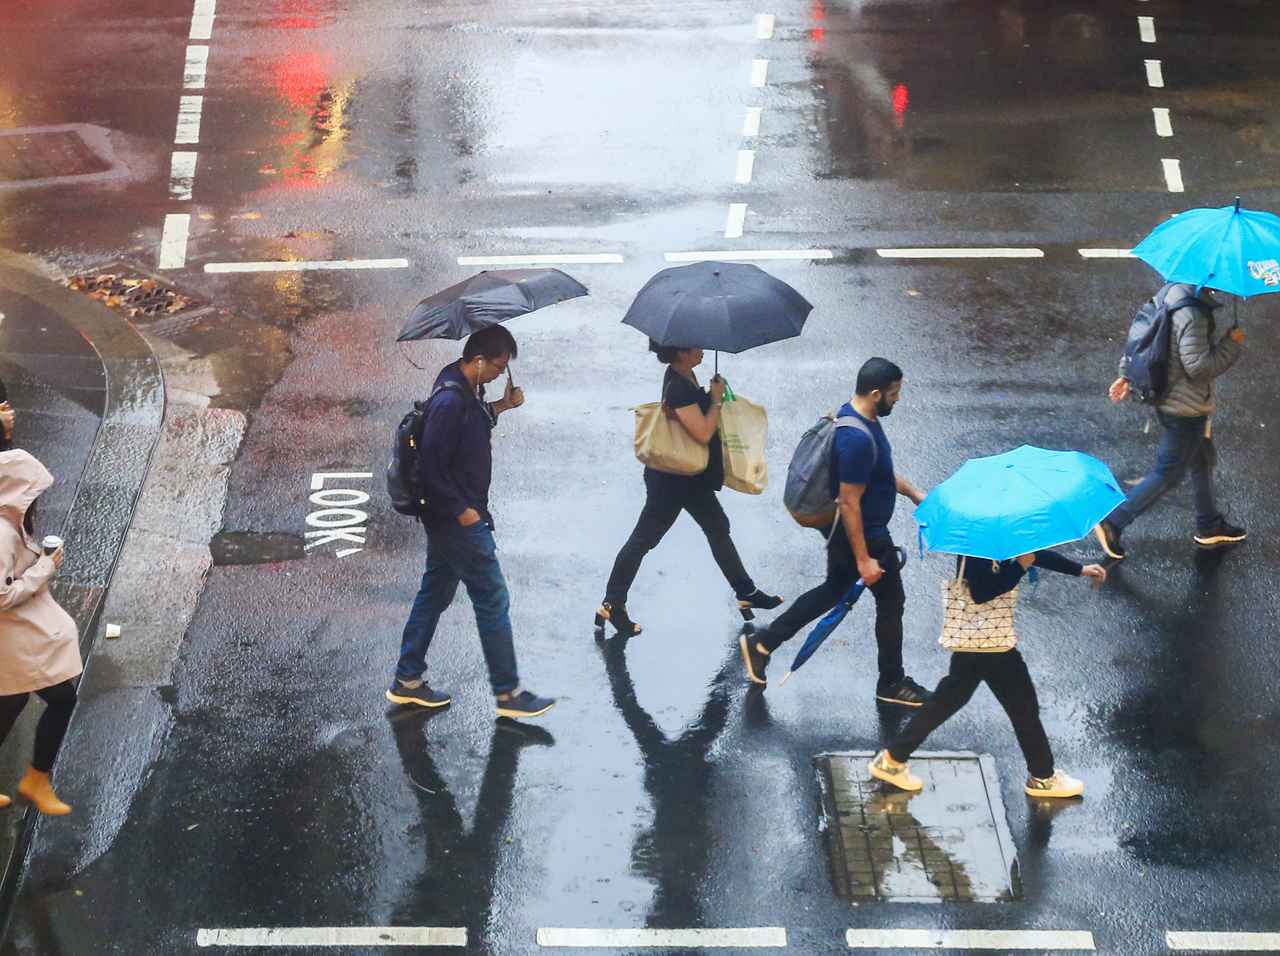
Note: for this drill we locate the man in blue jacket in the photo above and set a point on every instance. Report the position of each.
(455, 466)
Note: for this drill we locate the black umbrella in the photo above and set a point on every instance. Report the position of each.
(726, 306)
(486, 299)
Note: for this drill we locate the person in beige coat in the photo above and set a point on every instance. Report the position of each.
(39, 644)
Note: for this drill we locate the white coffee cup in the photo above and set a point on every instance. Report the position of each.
(51, 543)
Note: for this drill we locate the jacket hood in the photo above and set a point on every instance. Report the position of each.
(1177, 290)
(22, 480)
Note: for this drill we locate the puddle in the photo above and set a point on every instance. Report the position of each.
(253, 547)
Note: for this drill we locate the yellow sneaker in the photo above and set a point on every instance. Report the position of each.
(1060, 785)
(899, 774)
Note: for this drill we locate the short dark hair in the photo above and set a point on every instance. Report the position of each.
(666, 353)
(876, 373)
(492, 342)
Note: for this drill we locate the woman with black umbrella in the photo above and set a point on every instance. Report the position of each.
(698, 413)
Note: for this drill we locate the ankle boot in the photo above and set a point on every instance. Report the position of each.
(35, 787)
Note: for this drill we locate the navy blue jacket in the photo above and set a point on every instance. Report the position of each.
(455, 460)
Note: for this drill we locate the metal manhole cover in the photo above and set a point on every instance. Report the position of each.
(950, 841)
(48, 155)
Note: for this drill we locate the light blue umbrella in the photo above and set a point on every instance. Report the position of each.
(1018, 502)
(1232, 249)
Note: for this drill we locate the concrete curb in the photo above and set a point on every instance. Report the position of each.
(117, 466)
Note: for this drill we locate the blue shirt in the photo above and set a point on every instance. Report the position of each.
(455, 459)
(851, 454)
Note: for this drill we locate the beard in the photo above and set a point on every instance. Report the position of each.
(883, 409)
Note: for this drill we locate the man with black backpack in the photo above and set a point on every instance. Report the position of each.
(1171, 359)
(449, 480)
(860, 489)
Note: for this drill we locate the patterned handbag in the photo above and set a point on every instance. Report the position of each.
(976, 628)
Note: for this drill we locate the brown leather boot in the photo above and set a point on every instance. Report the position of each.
(35, 787)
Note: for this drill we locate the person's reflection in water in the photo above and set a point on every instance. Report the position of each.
(457, 879)
(678, 778)
(921, 860)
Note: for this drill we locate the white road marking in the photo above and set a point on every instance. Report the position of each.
(736, 220)
(1172, 174)
(189, 110)
(202, 20)
(759, 72)
(749, 255)
(1163, 126)
(967, 939)
(197, 64)
(546, 258)
(764, 26)
(1147, 29)
(335, 936)
(1223, 942)
(766, 936)
(751, 122)
(182, 174)
(973, 252)
(1155, 73)
(173, 241)
(746, 162)
(306, 265)
(1106, 253)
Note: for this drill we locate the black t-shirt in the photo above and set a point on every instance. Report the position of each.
(678, 392)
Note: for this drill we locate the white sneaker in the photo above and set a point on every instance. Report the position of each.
(1059, 785)
(899, 775)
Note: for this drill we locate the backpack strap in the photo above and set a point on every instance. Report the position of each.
(851, 421)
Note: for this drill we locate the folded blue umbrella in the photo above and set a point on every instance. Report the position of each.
(1018, 502)
(1232, 249)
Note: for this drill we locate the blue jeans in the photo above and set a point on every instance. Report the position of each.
(468, 555)
(1183, 447)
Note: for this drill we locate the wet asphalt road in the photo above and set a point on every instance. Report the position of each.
(660, 793)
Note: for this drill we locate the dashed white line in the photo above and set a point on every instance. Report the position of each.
(1223, 942)
(1106, 253)
(736, 220)
(304, 265)
(1147, 29)
(1172, 174)
(971, 252)
(335, 936)
(173, 241)
(968, 939)
(189, 110)
(1155, 73)
(746, 938)
(751, 121)
(182, 174)
(202, 20)
(759, 72)
(193, 73)
(749, 255)
(764, 26)
(1164, 127)
(548, 258)
(746, 162)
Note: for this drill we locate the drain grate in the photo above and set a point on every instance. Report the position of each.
(137, 296)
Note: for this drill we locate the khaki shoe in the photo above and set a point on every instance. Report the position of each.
(898, 774)
(1059, 785)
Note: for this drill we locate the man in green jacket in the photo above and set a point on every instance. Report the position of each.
(1197, 356)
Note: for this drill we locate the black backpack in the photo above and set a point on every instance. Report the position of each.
(1145, 364)
(407, 496)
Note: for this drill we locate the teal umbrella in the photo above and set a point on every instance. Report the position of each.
(1229, 248)
(1018, 502)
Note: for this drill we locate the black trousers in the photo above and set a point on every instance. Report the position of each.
(1006, 674)
(667, 496)
(61, 700)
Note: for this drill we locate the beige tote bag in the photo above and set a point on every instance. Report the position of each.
(663, 444)
(976, 628)
(744, 429)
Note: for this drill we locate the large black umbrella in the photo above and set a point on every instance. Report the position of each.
(726, 306)
(486, 299)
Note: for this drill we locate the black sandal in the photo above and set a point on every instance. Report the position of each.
(757, 600)
(617, 616)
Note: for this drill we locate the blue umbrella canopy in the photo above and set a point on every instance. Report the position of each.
(1229, 248)
(1018, 502)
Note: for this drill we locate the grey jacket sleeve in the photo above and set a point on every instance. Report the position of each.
(1203, 360)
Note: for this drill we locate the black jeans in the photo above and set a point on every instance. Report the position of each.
(666, 498)
(842, 572)
(1006, 674)
(61, 700)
